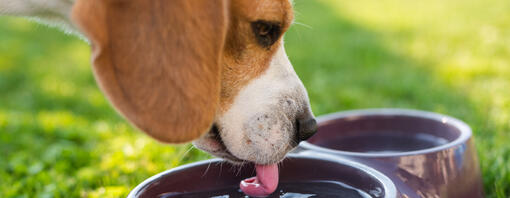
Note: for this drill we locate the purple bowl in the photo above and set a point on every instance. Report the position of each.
(214, 174)
(425, 154)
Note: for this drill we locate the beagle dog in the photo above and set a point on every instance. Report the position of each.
(211, 72)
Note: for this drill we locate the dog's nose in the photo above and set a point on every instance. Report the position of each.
(306, 128)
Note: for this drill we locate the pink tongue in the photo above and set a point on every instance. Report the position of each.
(264, 183)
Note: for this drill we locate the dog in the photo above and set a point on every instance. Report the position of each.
(211, 72)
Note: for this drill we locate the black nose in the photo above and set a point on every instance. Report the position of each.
(306, 128)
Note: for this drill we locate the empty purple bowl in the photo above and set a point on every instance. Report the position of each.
(425, 154)
(320, 174)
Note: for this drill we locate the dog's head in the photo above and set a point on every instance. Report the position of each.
(214, 72)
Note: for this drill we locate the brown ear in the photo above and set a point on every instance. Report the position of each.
(158, 61)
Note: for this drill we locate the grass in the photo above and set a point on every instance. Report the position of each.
(60, 138)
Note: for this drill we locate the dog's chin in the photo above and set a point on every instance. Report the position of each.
(213, 144)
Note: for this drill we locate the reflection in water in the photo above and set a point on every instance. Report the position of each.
(382, 143)
(306, 189)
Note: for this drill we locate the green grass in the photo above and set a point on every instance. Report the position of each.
(60, 138)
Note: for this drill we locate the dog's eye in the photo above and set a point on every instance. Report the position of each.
(266, 32)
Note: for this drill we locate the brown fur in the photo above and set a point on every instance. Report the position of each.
(243, 58)
(170, 66)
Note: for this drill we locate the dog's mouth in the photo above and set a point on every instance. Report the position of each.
(213, 143)
(266, 179)
(221, 149)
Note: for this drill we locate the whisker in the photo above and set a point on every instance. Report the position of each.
(221, 167)
(302, 24)
(240, 167)
(207, 169)
(182, 155)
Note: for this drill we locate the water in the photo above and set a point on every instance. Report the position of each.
(307, 189)
(383, 143)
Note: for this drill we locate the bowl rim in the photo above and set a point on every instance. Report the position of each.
(390, 190)
(465, 130)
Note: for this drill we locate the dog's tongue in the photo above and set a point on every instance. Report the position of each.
(264, 183)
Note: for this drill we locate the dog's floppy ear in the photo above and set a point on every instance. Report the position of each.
(158, 61)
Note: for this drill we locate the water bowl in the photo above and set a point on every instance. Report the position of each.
(302, 175)
(425, 154)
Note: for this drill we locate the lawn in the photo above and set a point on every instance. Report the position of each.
(60, 138)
